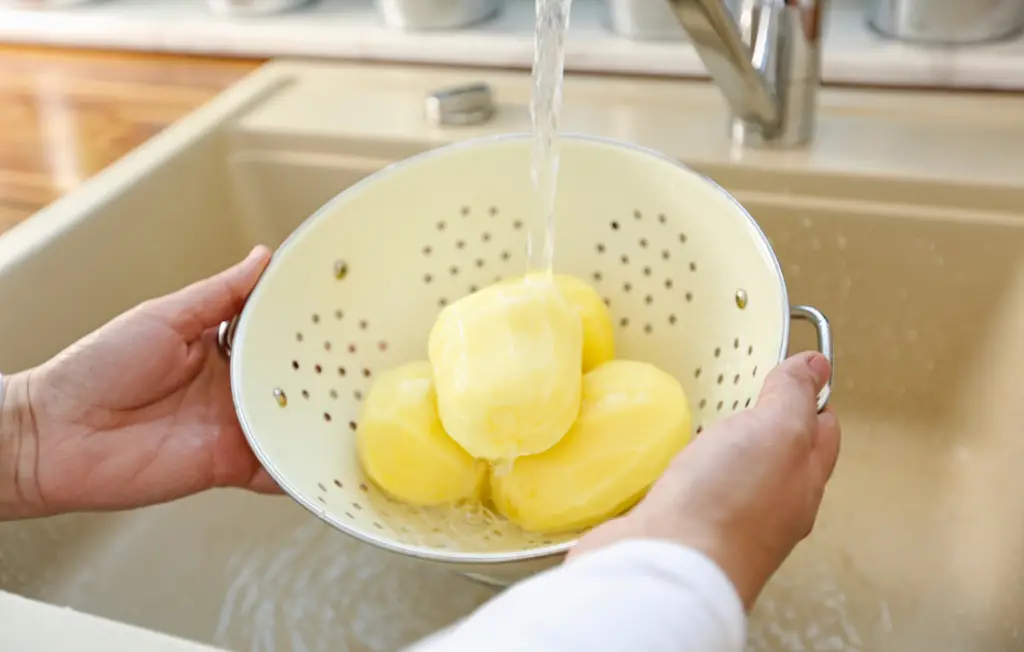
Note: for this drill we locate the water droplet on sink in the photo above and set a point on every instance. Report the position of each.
(841, 242)
(794, 270)
(807, 222)
(815, 244)
(939, 261)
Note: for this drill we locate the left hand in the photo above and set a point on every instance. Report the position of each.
(748, 489)
(140, 411)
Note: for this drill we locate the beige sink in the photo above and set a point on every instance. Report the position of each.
(904, 223)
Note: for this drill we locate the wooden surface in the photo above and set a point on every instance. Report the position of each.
(67, 114)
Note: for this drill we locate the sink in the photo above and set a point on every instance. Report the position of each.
(904, 223)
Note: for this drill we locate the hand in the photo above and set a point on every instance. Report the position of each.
(747, 491)
(139, 411)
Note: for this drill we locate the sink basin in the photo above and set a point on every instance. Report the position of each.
(904, 223)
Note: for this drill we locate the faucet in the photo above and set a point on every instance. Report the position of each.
(767, 64)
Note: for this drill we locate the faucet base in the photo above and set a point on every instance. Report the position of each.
(766, 60)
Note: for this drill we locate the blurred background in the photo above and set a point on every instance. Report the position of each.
(84, 81)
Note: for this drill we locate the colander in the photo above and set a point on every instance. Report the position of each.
(691, 281)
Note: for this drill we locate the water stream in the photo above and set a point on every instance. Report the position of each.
(548, 68)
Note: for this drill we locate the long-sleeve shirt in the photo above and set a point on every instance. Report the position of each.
(640, 595)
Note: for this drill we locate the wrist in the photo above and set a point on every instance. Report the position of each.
(740, 567)
(19, 497)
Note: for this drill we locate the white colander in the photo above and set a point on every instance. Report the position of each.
(691, 281)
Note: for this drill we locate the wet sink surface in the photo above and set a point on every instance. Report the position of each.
(920, 544)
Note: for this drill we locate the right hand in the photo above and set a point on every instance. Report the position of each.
(747, 491)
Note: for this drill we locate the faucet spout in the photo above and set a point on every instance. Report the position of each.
(767, 63)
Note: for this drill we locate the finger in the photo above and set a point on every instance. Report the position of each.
(206, 303)
(792, 387)
(827, 443)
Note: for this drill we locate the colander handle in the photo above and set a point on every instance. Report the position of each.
(824, 331)
(226, 335)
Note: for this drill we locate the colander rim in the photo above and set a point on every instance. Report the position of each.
(420, 552)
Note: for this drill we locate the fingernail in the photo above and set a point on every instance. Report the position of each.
(820, 367)
(255, 252)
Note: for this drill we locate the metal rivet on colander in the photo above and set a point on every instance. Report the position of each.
(471, 104)
(280, 397)
(741, 299)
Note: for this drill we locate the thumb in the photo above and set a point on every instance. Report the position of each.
(793, 386)
(204, 304)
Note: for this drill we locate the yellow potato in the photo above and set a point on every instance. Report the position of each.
(506, 363)
(633, 420)
(598, 332)
(403, 447)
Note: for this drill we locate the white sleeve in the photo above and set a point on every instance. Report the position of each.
(654, 596)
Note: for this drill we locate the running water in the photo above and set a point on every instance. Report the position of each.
(548, 68)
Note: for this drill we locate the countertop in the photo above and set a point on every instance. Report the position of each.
(67, 114)
(31, 626)
(352, 29)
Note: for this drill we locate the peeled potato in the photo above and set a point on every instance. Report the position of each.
(598, 332)
(633, 420)
(506, 364)
(403, 447)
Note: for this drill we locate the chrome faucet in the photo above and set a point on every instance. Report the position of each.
(766, 61)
